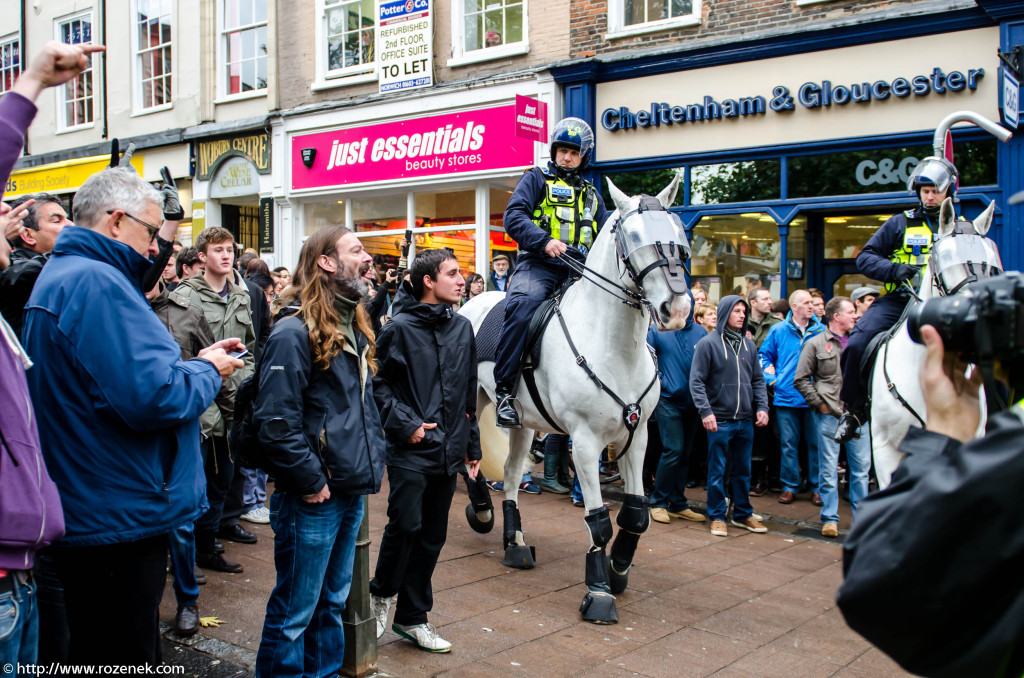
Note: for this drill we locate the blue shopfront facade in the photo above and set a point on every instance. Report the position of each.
(793, 149)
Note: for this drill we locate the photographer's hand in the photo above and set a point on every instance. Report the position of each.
(951, 398)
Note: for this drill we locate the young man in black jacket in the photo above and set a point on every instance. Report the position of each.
(426, 392)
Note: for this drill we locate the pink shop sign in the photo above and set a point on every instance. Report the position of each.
(456, 143)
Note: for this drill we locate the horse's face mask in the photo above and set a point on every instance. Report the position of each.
(962, 258)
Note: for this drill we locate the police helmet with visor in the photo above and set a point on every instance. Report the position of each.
(936, 172)
(575, 134)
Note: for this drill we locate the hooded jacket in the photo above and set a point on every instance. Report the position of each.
(121, 430)
(781, 348)
(427, 373)
(226, 318)
(675, 350)
(317, 427)
(725, 382)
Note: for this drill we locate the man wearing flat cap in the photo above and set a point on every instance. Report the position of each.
(500, 273)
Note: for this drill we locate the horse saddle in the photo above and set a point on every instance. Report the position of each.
(490, 330)
(867, 359)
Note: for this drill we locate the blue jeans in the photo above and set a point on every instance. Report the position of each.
(796, 423)
(19, 626)
(731, 444)
(858, 456)
(314, 552)
(678, 428)
(254, 489)
(182, 543)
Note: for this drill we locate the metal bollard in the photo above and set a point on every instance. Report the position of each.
(360, 626)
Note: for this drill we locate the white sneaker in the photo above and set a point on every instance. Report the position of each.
(379, 608)
(424, 635)
(259, 515)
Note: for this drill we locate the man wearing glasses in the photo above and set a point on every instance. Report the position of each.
(121, 437)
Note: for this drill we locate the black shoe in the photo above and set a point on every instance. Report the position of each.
(506, 414)
(217, 547)
(200, 577)
(186, 622)
(216, 562)
(691, 484)
(847, 428)
(237, 533)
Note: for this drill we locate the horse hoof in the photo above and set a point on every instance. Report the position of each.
(477, 521)
(520, 556)
(617, 581)
(599, 608)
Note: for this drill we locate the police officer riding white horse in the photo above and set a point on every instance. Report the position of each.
(553, 211)
(894, 255)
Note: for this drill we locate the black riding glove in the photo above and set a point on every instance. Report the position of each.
(904, 273)
(173, 210)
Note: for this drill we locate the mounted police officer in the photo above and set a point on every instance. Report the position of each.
(553, 211)
(895, 255)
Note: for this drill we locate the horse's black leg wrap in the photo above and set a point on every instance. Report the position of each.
(633, 519)
(478, 493)
(512, 522)
(521, 556)
(598, 605)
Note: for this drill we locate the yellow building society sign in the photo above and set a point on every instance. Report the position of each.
(59, 177)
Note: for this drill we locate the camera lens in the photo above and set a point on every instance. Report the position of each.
(954, 318)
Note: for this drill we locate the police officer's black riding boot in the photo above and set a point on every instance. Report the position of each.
(506, 414)
(846, 430)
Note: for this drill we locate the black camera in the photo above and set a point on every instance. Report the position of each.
(984, 323)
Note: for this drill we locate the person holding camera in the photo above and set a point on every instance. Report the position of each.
(932, 564)
(894, 255)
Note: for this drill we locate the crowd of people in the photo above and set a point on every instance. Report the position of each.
(135, 366)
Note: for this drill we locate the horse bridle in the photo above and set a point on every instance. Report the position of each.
(671, 262)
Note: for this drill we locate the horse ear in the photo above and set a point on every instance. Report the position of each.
(984, 220)
(620, 199)
(668, 196)
(947, 218)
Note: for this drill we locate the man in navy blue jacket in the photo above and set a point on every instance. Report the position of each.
(677, 419)
(121, 435)
(553, 211)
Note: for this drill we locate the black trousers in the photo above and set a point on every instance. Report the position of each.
(220, 471)
(112, 599)
(417, 527)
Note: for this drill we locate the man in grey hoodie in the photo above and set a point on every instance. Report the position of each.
(728, 390)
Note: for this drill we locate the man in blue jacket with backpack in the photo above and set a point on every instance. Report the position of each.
(780, 354)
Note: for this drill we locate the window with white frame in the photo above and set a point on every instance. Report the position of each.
(485, 29)
(10, 62)
(641, 16)
(152, 35)
(348, 36)
(75, 98)
(243, 46)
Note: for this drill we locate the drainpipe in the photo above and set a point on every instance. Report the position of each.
(103, 41)
(21, 61)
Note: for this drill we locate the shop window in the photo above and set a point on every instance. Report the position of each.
(883, 170)
(152, 41)
(348, 30)
(243, 46)
(733, 253)
(487, 29)
(646, 182)
(75, 98)
(845, 236)
(10, 62)
(846, 284)
(627, 17)
(321, 214)
(796, 256)
(735, 182)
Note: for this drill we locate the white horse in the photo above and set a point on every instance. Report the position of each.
(641, 253)
(897, 367)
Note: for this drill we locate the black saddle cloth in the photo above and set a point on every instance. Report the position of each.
(490, 331)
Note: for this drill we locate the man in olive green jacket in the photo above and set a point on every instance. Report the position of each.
(761, 319)
(226, 306)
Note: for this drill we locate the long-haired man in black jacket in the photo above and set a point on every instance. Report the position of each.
(426, 391)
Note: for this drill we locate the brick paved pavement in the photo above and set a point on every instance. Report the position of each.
(697, 605)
